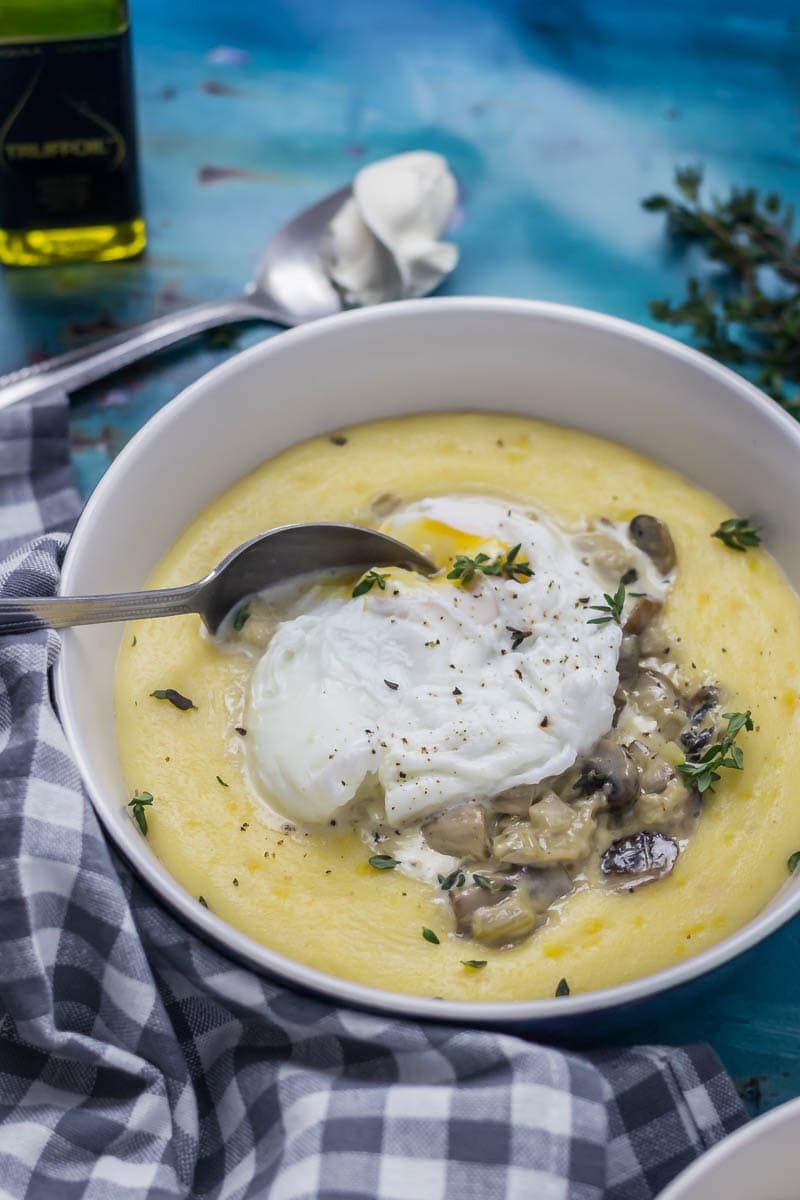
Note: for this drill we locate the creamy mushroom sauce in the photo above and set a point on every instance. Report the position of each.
(619, 816)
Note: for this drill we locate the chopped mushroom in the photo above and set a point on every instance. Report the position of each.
(656, 696)
(516, 800)
(656, 775)
(645, 610)
(556, 833)
(704, 700)
(610, 770)
(466, 901)
(641, 858)
(628, 661)
(544, 885)
(673, 810)
(460, 832)
(507, 922)
(654, 539)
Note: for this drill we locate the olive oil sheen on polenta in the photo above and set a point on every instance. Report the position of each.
(312, 894)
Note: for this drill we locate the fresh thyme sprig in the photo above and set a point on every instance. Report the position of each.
(750, 317)
(738, 533)
(464, 567)
(612, 609)
(368, 582)
(704, 773)
(137, 805)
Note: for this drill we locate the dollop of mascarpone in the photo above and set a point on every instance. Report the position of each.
(383, 244)
(418, 689)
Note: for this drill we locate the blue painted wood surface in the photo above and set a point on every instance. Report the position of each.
(558, 116)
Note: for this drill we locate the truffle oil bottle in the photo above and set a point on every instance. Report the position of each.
(69, 186)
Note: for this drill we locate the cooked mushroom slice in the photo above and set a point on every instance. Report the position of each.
(673, 810)
(466, 901)
(460, 832)
(654, 695)
(695, 741)
(641, 858)
(516, 800)
(656, 775)
(704, 700)
(643, 612)
(654, 538)
(556, 833)
(513, 919)
(609, 770)
(628, 660)
(544, 885)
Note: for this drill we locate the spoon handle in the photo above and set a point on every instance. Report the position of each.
(24, 614)
(67, 372)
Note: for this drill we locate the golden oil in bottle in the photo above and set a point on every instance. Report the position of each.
(69, 183)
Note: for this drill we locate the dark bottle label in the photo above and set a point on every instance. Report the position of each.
(67, 133)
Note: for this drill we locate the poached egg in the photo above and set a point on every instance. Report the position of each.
(429, 691)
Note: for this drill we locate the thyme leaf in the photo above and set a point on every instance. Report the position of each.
(475, 963)
(181, 702)
(518, 636)
(493, 885)
(368, 581)
(562, 988)
(793, 862)
(383, 862)
(456, 878)
(738, 533)
(430, 936)
(137, 805)
(241, 618)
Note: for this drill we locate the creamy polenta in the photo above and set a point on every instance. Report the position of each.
(313, 896)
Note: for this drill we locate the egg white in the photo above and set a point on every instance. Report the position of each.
(416, 689)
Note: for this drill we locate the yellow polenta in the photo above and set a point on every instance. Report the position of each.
(314, 897)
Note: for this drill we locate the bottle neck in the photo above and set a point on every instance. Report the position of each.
(40, 20)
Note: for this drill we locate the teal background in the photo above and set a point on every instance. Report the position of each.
(557, 116)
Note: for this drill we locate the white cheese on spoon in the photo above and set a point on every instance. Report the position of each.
(383, 244)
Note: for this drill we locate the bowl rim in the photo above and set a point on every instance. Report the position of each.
(278, 966)
(702, 1170)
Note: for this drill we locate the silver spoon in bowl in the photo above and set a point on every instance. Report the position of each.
(271, 558)
(289, 287)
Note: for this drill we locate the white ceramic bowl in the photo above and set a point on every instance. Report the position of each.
(564, 365)
(758, 1162)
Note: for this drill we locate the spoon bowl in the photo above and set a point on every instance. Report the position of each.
(290, 280)
(289, 287)
(269, 559)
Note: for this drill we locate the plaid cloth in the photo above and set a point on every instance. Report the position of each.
(136, 1062)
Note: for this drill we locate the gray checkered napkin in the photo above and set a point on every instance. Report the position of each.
(137, 1062)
